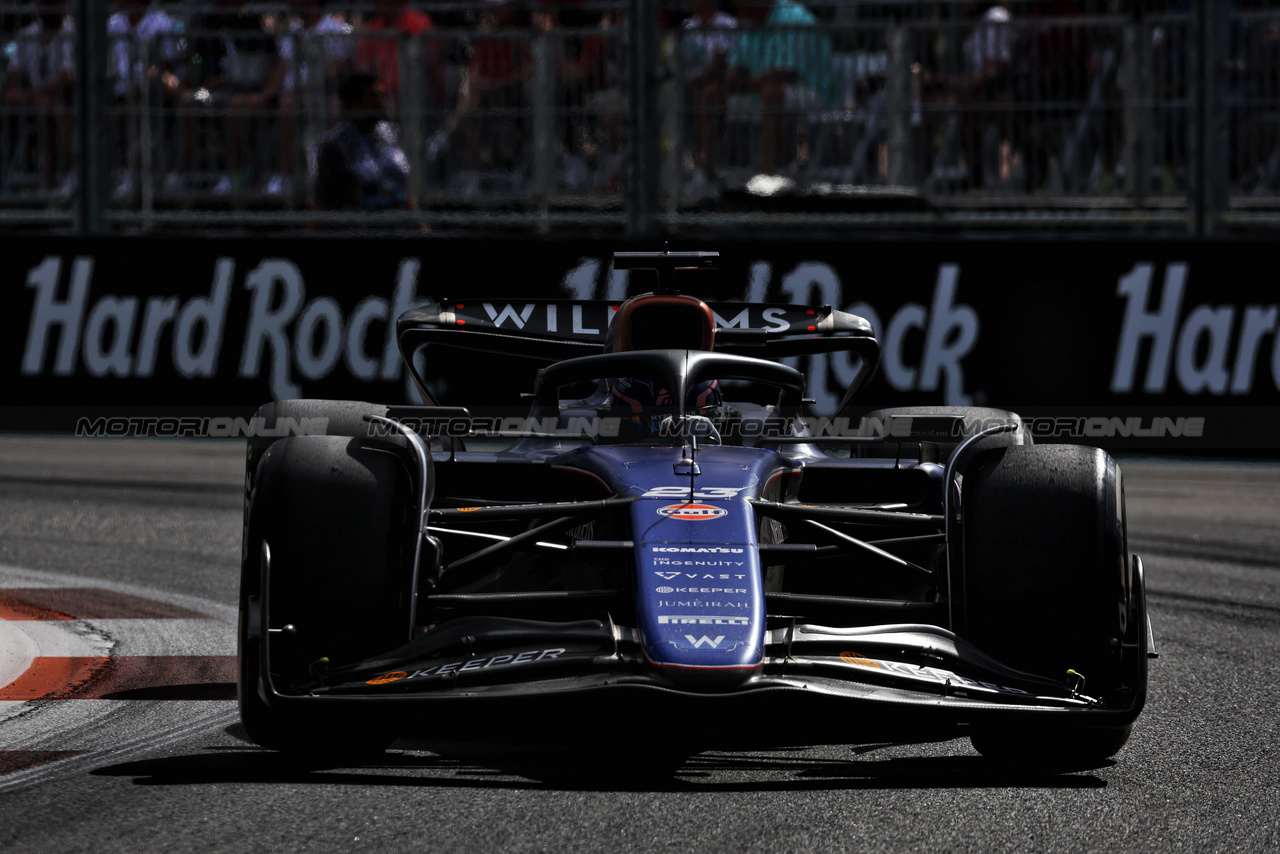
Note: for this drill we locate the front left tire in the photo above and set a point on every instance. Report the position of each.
(337, 514)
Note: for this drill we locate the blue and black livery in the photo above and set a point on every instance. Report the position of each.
(927, 571)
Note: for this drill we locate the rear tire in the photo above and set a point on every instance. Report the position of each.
(337, 514)
(1046, 588)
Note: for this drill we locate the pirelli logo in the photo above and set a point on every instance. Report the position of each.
(675, 620)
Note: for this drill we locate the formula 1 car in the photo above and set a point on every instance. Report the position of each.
(663, 544)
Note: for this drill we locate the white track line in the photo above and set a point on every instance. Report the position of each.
(17, 650)
(108, 731)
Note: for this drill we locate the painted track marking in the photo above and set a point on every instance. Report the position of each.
(96, 672)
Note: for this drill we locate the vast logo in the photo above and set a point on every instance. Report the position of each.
(692, 512)
(713, 576)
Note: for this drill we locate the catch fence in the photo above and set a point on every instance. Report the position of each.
(621, 116)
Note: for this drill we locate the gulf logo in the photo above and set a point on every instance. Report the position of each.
(692, 512)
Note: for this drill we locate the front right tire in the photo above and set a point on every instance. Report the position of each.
(1047, 589)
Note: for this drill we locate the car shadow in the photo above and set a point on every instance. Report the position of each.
(472, 765)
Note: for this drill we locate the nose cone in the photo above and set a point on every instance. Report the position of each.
(699, 591)
(706, 658)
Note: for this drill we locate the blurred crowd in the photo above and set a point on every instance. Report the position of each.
(235, 97)
(343, 105)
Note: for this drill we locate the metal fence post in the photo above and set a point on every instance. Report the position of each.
(1217, 111)
(413, 61)
(898, 95)
(642, 60)
(544, 119)
(310, 115)
(672, 118)
(145, 159)
(92, 142)
(1137, 94)
(1208, 143)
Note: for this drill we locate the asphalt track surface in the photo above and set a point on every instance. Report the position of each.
(160, 764)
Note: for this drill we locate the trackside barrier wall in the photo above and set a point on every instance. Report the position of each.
(1120, 343)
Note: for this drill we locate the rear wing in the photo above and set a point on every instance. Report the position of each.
(555, 330)
(564, 329)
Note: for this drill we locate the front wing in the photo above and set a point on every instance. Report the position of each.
(478, 675)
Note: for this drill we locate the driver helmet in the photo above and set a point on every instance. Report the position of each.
(649, 402)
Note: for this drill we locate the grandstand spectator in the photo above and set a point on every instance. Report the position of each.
(783, 56)
(359, 165)
(988, 61)
(587, 96)
(39, 89)
(972, 92)
(1050, 79)
(1172, 69)
(494, 92)
(315, 48)
(1254, 86)
(236, 75)
(706, 41)
(378, 43)
(144, 49)
(145, 57)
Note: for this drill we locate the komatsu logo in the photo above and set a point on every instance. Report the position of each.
(700, 550)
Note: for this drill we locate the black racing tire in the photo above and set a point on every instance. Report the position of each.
(1059, 748)
(337, 513)
(340, 418)
(1046, 589)
(974, 419)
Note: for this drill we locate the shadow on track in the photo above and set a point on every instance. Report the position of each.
(470, 765)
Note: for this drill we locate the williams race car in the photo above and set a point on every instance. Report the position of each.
(662, 543)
